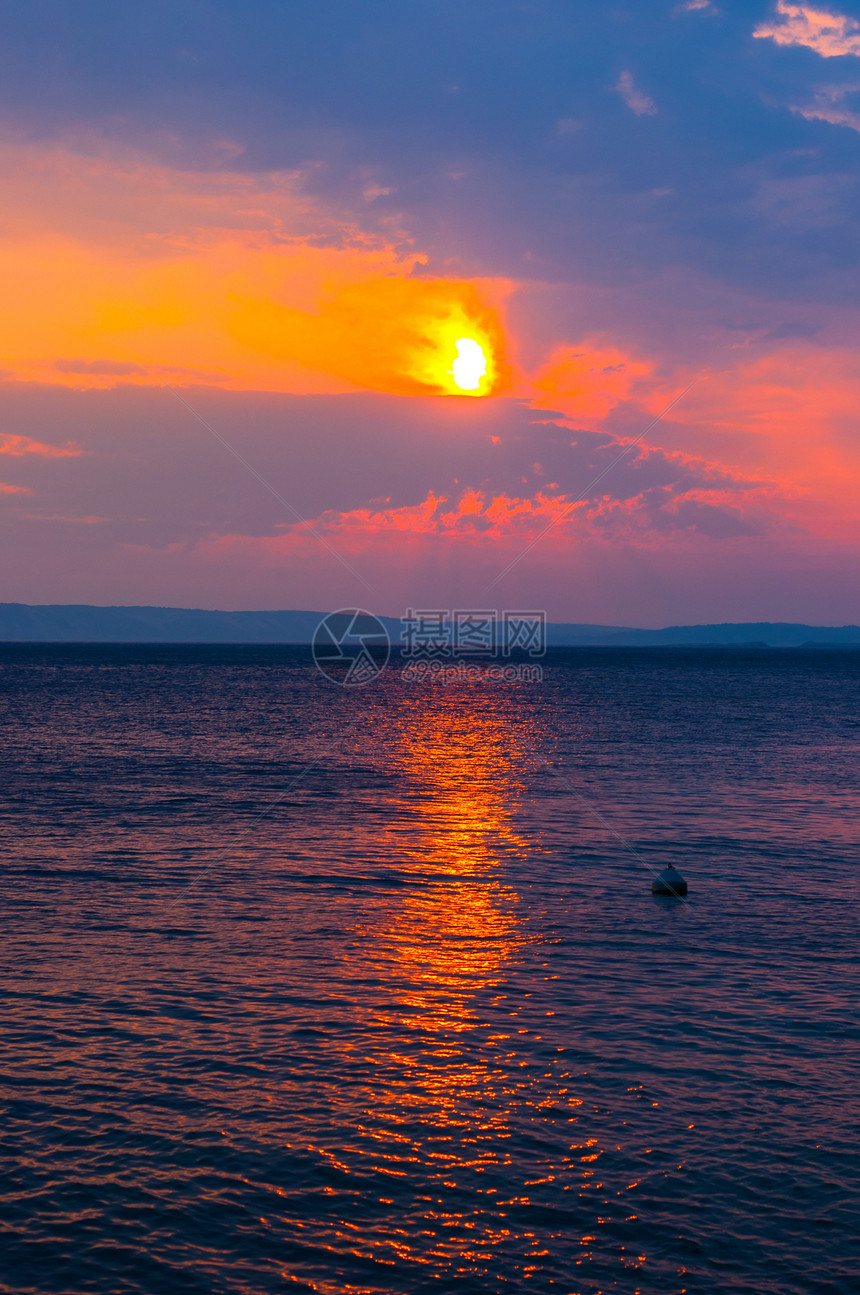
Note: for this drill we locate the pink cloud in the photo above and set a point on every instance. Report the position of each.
(636, 101)
(791, 412)
(458, 547)
(830, 35)
(829, 104)
(21, 445)
(717, 506)
(786, 416)
(589, 379)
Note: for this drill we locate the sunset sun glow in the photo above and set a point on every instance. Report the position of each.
(457, 350)
(470, 365)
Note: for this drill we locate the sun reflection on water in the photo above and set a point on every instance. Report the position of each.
(458, 927)
(451, 1078)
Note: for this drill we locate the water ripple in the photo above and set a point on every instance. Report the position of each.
(415, 1023)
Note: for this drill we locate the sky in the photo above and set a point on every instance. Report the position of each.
(240, 243)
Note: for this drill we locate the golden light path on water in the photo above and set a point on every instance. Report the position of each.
(453, 1082)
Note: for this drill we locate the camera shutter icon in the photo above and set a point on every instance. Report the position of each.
(351, 647)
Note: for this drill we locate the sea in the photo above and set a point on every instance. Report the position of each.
(317, 988)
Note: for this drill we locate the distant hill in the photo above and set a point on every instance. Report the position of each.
(743, 633)
(22, 623)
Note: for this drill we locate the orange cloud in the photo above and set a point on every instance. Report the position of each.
(475, 515)
(828, 34)
(21, 445)
(115, 269)
(390, 334)
(588, 380)
(496, 523)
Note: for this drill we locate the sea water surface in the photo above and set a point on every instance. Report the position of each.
(315, 989)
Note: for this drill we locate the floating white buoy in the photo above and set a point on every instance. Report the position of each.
(669, 882)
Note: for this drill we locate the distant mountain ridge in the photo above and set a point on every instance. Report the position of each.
(83, 623)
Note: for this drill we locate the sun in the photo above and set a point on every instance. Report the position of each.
(454, 347)
(470, 365)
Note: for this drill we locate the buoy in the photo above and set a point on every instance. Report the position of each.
(669, 882)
